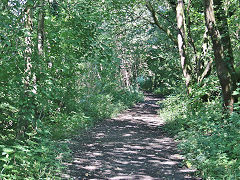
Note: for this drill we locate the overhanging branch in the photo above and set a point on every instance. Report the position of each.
(157, 23)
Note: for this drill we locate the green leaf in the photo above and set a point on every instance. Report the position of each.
(8, 150)
(8, 166)
(4, 159)
(235, 93)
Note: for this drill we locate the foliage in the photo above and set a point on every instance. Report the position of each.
(49, 96)
(161, 59)
(34, 158)
(65, 65)
(103, 106)
(208, 139)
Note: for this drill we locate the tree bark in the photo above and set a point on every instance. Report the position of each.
(182, 44)
(28, 77)
(28, 51)
(41, 28)
(203, 70)
(125, 73)
(222, 25)
(222, 65)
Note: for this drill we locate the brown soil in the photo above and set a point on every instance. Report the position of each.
(130, 146)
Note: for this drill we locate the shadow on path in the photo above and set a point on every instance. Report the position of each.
(130, 146)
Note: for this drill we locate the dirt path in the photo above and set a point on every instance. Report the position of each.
(130, 146)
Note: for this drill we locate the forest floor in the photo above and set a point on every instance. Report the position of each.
(129, 146)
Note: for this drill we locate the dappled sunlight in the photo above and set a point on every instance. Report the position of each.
(129, 146)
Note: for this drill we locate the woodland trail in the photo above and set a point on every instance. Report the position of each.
(130, 146)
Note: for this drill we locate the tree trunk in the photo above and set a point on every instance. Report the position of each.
(182, 44)
(28, 78)
(204, 67)
(28, 49)
(41, 28)
(222, 65)
(125, 73)
(222, 25)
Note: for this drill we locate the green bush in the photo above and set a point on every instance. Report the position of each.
(102, 106)
(37, 153)
(127, 98)
(98, 106)
(208, 138)
(63, 125)
(35, 158)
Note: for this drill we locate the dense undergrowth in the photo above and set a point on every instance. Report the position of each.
(209, 139)
(39, 154)
(91, 109)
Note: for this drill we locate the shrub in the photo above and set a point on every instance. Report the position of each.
(102, 106)
(208, 138)
(35, 158)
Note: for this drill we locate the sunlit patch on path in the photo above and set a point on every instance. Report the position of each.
(130, 146)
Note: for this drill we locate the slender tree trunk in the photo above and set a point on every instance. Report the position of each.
(41, 28)
(222, 65)
(182, 44)
(125, 73)
(28, 78)
(28, 49)
(204, 70)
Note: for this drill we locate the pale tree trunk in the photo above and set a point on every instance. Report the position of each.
(181, 41)
(40, 42)
(28, 49)
(222, 65)
(182, 44)
(28, 78)
(41, 32)
(125, 73)
(41, 27)
(202, 69)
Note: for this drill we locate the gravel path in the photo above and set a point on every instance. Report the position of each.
(130, 146)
